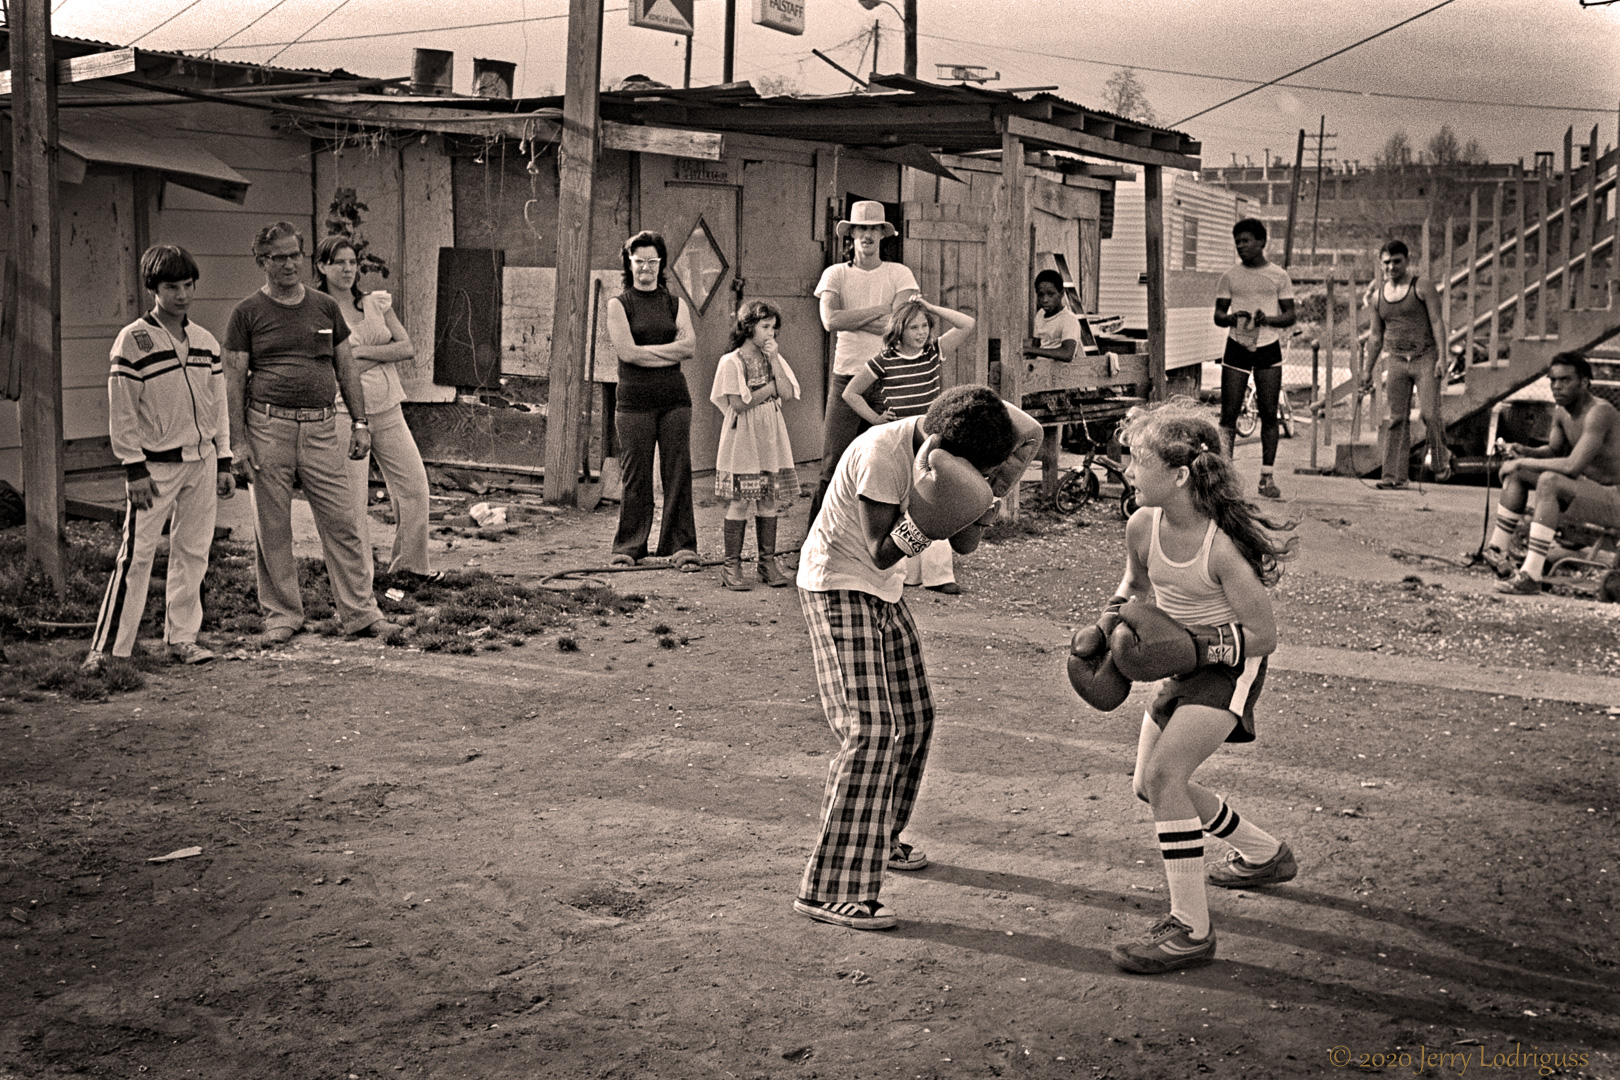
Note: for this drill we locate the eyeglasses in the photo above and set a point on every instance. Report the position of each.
(645, 264)
(284, 260)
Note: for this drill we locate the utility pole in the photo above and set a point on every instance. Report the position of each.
(34, 234)
(729, 61)
(576, 172)
(1321, 144)
(910, 19)
(877, 43)
(1293, 199)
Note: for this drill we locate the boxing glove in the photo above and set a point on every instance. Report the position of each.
(1098, 681)
(947, 495)
(1089, 641)
(1148, 644)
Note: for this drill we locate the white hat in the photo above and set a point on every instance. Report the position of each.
(866, 212)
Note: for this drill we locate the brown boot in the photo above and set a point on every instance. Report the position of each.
(731, 575)
(770, 571)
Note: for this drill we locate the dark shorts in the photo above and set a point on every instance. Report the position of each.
(1266, 356)
(1235, 689)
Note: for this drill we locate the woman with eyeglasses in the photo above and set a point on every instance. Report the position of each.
(380, 345)
(651, 331)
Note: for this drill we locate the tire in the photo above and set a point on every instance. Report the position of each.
(1127, 502)
(1077, 488)
(1247, 421)
(1285, 419)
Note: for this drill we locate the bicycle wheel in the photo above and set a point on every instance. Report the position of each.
(1127, 502)
(1249, 418)
(1075, 490)
(1285, 418)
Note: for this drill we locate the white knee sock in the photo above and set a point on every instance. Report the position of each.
(1252, 842)
(1182, 845)
(1535, 560)
(1506, 522)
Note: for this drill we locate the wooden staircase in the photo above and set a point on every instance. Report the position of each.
(1538, 281)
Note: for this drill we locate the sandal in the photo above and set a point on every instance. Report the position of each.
(686, 561)
(1391, 485)
(621, 559)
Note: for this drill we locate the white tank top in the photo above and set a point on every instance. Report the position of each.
(1185, 591)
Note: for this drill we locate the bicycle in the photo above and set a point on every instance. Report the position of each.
(1077, 487)
(1248, 418)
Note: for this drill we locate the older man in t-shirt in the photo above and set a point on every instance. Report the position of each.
(286, 356)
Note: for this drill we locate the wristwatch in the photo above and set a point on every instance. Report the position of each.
(360, 421)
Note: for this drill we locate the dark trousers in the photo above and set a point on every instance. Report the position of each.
(841, 426)
(1267, 392)
(670, 431)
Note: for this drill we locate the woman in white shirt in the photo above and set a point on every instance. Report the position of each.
(380, 343)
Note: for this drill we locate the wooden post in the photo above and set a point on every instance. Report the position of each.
(1009, 278)
(911, 38)
(1566, 249)
(1543, 251)
(1293, 199)
(1473, 274)
(728, 61)
(1153, 193)
(34, 234)
(1356, 360)
(1317, 394)
(1589, 279)
(1332, 373)
(576, 170)
(1521, 314)
(1426, 260)
(1496, 270)
(1451, 288)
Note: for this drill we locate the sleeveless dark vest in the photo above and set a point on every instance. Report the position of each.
(652, 322)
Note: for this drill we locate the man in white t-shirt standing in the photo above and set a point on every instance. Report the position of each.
(1254, 300)
(901, 485)
(857, 299)
(1057, 329)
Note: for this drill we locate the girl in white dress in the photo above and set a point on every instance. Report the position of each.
(380, 343)
(754, 462)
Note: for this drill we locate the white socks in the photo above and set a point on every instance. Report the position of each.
(1252, 842)
(1535, 560)
(1507, 521)
(1182, 845)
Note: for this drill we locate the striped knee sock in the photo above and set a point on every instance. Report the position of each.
(1507, 521)
(1535, 560)
(1182, 845)
(1252, 842)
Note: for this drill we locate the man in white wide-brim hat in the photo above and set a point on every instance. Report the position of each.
(857, 298)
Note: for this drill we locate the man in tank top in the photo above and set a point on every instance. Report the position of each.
(1406, 328)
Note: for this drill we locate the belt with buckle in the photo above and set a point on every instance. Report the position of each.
(300, 415)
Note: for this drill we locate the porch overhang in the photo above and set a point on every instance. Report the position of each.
(86, 140)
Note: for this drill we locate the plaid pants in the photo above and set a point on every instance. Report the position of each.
(869, 667)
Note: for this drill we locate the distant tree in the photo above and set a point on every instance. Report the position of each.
(1473, 153)
(1396, 153)
(1124, 95)
(1443, 148)
(777, 86)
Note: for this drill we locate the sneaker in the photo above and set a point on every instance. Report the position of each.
(1390, 484)
(950, 588)
(1520, 584)
(1499, 561)
(1166, 947)
(277, 635)
(94, 663)
(856, 915)
(906, 857)
(1268, 488)
(189, 652)
(1236, 873)
(380, 628)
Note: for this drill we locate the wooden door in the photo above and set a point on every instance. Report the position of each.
(945, 248)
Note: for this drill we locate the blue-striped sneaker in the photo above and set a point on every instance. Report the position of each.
(906, 857)
(1236, 872)
(855, 914)
(1169, 946)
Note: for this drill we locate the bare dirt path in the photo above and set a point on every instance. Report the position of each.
(545, 864)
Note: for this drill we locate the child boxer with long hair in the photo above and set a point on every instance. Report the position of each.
(1207, 558)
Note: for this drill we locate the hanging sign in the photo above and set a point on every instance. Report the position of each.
(674, 16)
(784, 15)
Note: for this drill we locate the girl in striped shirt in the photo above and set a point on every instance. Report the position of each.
(907, 376)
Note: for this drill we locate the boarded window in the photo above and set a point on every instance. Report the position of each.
(1189, 243)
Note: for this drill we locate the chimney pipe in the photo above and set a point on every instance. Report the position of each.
(494, 78)
(433, 73)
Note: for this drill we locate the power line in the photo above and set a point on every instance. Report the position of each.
(1313, 63)
(406, 33)
(341, 5)
(251, 23)
(162, 24)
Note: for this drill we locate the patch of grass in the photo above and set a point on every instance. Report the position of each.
(667, 642)
(395, 638)
(567, 644)
(433, 642)
(661, 629)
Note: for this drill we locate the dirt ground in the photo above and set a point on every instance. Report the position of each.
(545, 864)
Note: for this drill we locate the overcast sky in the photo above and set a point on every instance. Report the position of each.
(1507, 53)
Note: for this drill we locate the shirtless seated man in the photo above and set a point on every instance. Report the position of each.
(1576, 476)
